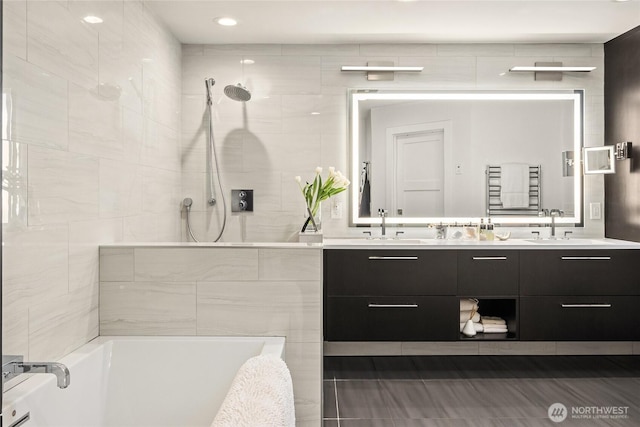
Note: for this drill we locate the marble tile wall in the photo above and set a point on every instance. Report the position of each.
(222, 291)
(90, 155)
(264, 143)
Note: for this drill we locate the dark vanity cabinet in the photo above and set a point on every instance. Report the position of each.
(488, 273)
(394, 295)
(543, 294)
(580, 295)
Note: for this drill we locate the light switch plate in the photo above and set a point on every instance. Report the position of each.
(595, 210)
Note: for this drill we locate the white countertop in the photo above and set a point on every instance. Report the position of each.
(576, 243)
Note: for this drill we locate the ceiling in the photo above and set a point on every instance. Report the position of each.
(393, 21)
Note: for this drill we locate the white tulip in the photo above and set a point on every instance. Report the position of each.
(332, 171)
(298, 179)
(318, 170)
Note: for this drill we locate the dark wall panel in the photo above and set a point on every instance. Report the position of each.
(622, 123)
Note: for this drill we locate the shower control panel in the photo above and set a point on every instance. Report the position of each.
(241, 200)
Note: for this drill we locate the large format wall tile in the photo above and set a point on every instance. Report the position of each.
(35, 265)
(120, 189)
(62, 324)
(290, 264)
(95, 124)
(261, 308)
(62, 44)
(63, 186)
(147, 308)
(116, 265)
(202, 264)
(37, 110)
(84, 257)
(14, 28)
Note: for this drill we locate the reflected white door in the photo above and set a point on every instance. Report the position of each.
(419, 174)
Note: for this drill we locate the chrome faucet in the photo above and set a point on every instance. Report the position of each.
(382, 213)
(12, 366)
(553, 213)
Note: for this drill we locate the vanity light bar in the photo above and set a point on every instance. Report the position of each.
(380, 68)
(538, 69)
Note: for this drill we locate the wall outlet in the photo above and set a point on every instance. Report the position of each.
(336, 210)
(595, 210)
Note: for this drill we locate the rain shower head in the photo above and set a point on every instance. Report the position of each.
(237, 92)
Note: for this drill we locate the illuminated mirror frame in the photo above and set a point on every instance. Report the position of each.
(359, 95)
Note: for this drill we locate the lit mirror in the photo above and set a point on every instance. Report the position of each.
(430, 157)
(599, 160)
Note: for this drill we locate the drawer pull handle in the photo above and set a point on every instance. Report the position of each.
(393, 305)
(586, 258)
(586, 305)
(406, 258)
(489, 258)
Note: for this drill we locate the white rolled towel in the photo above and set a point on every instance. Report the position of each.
(477, 326)
(261, 394)
(466, 315)
(468, 304)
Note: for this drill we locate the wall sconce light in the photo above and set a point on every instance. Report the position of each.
(381, 70)
(550, 71)
(623, 150)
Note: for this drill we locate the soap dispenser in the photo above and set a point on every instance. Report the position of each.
(489, 233)
(483, 230)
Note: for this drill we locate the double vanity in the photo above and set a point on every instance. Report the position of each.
(546, 290)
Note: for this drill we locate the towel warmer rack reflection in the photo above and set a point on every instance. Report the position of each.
(494, 185)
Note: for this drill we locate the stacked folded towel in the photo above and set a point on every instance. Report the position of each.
(494, 325)
(469, 310)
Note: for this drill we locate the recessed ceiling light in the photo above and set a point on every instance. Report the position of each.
(226, 21)
(247, 61)
(90, 19)
(314, 113)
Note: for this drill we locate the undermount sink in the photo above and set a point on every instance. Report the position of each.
(568, 241)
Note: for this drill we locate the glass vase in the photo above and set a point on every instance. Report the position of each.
(315, 225)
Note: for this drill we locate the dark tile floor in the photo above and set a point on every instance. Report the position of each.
(480, 391)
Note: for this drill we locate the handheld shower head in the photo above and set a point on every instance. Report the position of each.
(237, 92)
(209, 85)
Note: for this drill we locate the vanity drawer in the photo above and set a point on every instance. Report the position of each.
(580, 272)
(391, 319)
(488, 273)
(390, 272)
(600, 318)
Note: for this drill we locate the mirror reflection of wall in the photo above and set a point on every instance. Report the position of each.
(428, 157)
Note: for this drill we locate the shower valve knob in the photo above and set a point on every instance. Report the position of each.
(241, 200)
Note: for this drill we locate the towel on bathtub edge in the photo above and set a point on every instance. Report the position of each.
(261, 394)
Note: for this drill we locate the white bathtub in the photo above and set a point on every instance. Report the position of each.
(138, 381)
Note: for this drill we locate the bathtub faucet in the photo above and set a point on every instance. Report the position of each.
(12, 366)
